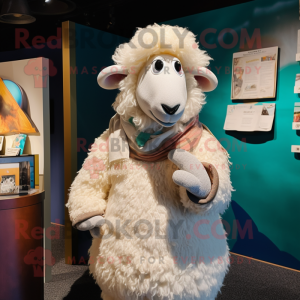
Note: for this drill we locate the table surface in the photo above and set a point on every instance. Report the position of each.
(17, 201)
(8, 197)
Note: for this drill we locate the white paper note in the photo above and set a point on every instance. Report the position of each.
(250, 117)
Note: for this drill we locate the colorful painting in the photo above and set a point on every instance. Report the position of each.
(19, 142)
(14, 110)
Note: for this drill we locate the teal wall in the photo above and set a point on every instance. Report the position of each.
(265, 174)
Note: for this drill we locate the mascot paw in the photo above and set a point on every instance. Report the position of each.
(95, 232)
(191, 174)
(92, 224)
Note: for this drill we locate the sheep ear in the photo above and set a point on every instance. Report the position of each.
(110, 77)
(206, 79)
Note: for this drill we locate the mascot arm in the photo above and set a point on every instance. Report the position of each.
(90, 189)
(203, 176)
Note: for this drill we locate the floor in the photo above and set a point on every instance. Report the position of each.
(246, 280)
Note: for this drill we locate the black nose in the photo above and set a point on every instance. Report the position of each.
(170, 110)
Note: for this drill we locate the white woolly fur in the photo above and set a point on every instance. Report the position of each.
(134, 190)
(161, 266)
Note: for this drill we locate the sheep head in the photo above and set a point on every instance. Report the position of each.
(161, 74)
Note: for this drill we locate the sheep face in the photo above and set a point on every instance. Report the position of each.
(162, 93)
(159, 86)
(161, 89)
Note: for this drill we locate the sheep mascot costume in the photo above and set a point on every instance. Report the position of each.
(162, 179)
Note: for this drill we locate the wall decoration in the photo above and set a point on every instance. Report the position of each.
(14, 109)
(298, 46)
(296, 119)
(297, 84)
(254, 74)
(295, 149)
(250, 117)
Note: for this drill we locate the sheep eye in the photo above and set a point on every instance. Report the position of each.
(158, 66)
(177, 67)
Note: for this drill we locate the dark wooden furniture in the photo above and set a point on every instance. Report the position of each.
(21, 247)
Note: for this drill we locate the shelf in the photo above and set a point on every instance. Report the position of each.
(16, 201)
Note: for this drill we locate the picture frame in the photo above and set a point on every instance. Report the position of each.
(18, 159)
(254, 74)
(9, 179)
(14, 178)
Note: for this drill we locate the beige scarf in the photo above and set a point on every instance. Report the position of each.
(122, 141)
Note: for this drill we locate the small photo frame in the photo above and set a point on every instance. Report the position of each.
(9, 179)
(297, 112)
(19, 142)
(8, 185)
(296, 117)
(15, 178)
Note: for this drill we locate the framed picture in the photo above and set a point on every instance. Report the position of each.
(254, 74)
(24, 158)
(9, 179)
(14, 178)
(296, 119)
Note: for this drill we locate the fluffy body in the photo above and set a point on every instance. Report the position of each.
(192, 268)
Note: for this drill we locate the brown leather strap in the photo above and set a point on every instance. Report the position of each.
(214, 179)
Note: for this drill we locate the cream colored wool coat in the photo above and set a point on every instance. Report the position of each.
(135, 262)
